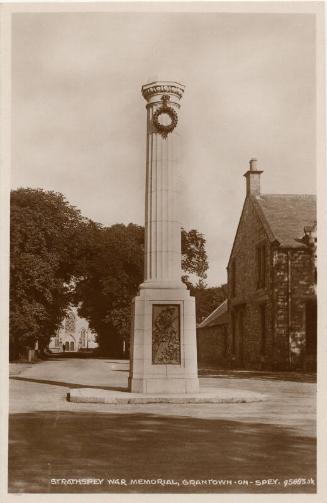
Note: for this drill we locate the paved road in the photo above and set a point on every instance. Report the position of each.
(51, 438)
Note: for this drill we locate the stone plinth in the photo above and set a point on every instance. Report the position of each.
(206, 395)
(164, 358)
(163, 344)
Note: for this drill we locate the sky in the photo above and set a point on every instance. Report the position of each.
(79, 119)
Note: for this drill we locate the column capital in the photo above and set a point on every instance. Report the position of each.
(160, 88)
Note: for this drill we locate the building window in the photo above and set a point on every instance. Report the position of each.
(83, 338)
(233, 333)
(225, 340)
(70, 323)
(263, 328)
(261, 253)
(233, 278)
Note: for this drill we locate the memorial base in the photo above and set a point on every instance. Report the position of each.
(163, 346)
(205, 396)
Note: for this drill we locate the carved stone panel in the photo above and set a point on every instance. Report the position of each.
(166, 344)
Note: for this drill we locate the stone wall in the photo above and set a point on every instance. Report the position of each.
(293, 287)
(212, 345)
(284, 300)
(246, 304)
(250, 233)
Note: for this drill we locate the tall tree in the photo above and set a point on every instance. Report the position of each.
(112, 273)
(46, 233)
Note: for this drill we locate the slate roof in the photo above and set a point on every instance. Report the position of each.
(217, 317)
(285, 216)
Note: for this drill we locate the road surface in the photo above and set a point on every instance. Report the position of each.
(255, 447)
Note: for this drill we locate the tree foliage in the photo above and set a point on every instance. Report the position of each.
(44, 244)
(207, 299)
(194, 257)
(59, 257)
(110, 279)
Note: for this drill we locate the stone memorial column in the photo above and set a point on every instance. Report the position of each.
(163, 339)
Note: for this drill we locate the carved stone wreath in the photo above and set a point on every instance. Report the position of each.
(164, 109)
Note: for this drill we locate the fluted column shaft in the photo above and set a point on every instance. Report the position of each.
(162, 225)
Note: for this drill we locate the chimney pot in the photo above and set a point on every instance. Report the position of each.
(253, 164)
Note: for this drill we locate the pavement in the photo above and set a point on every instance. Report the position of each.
(236, 446)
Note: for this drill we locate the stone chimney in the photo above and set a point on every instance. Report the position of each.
(253, 179)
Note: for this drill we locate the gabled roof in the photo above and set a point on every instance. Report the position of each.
(287, 215)
(283, 217)
(217, 317)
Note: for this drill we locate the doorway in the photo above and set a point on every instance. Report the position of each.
(311, 334)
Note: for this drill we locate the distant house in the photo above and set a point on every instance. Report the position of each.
(73, 335)
(272, 305)
(212, 334)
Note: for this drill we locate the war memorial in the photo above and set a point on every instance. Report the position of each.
(163, 358)
(163, 361)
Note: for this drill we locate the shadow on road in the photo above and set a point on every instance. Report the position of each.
(68, 384)
(47, 445)
(259, 375)
(82, 355)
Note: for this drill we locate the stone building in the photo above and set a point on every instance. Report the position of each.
(212, 337)
(272, 307)
(73, 335)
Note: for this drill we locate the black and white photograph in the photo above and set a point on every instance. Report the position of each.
(163, 250)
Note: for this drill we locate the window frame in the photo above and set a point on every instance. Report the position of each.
(263, 328)
(233, 327)
(261, 261)
(233, 277)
